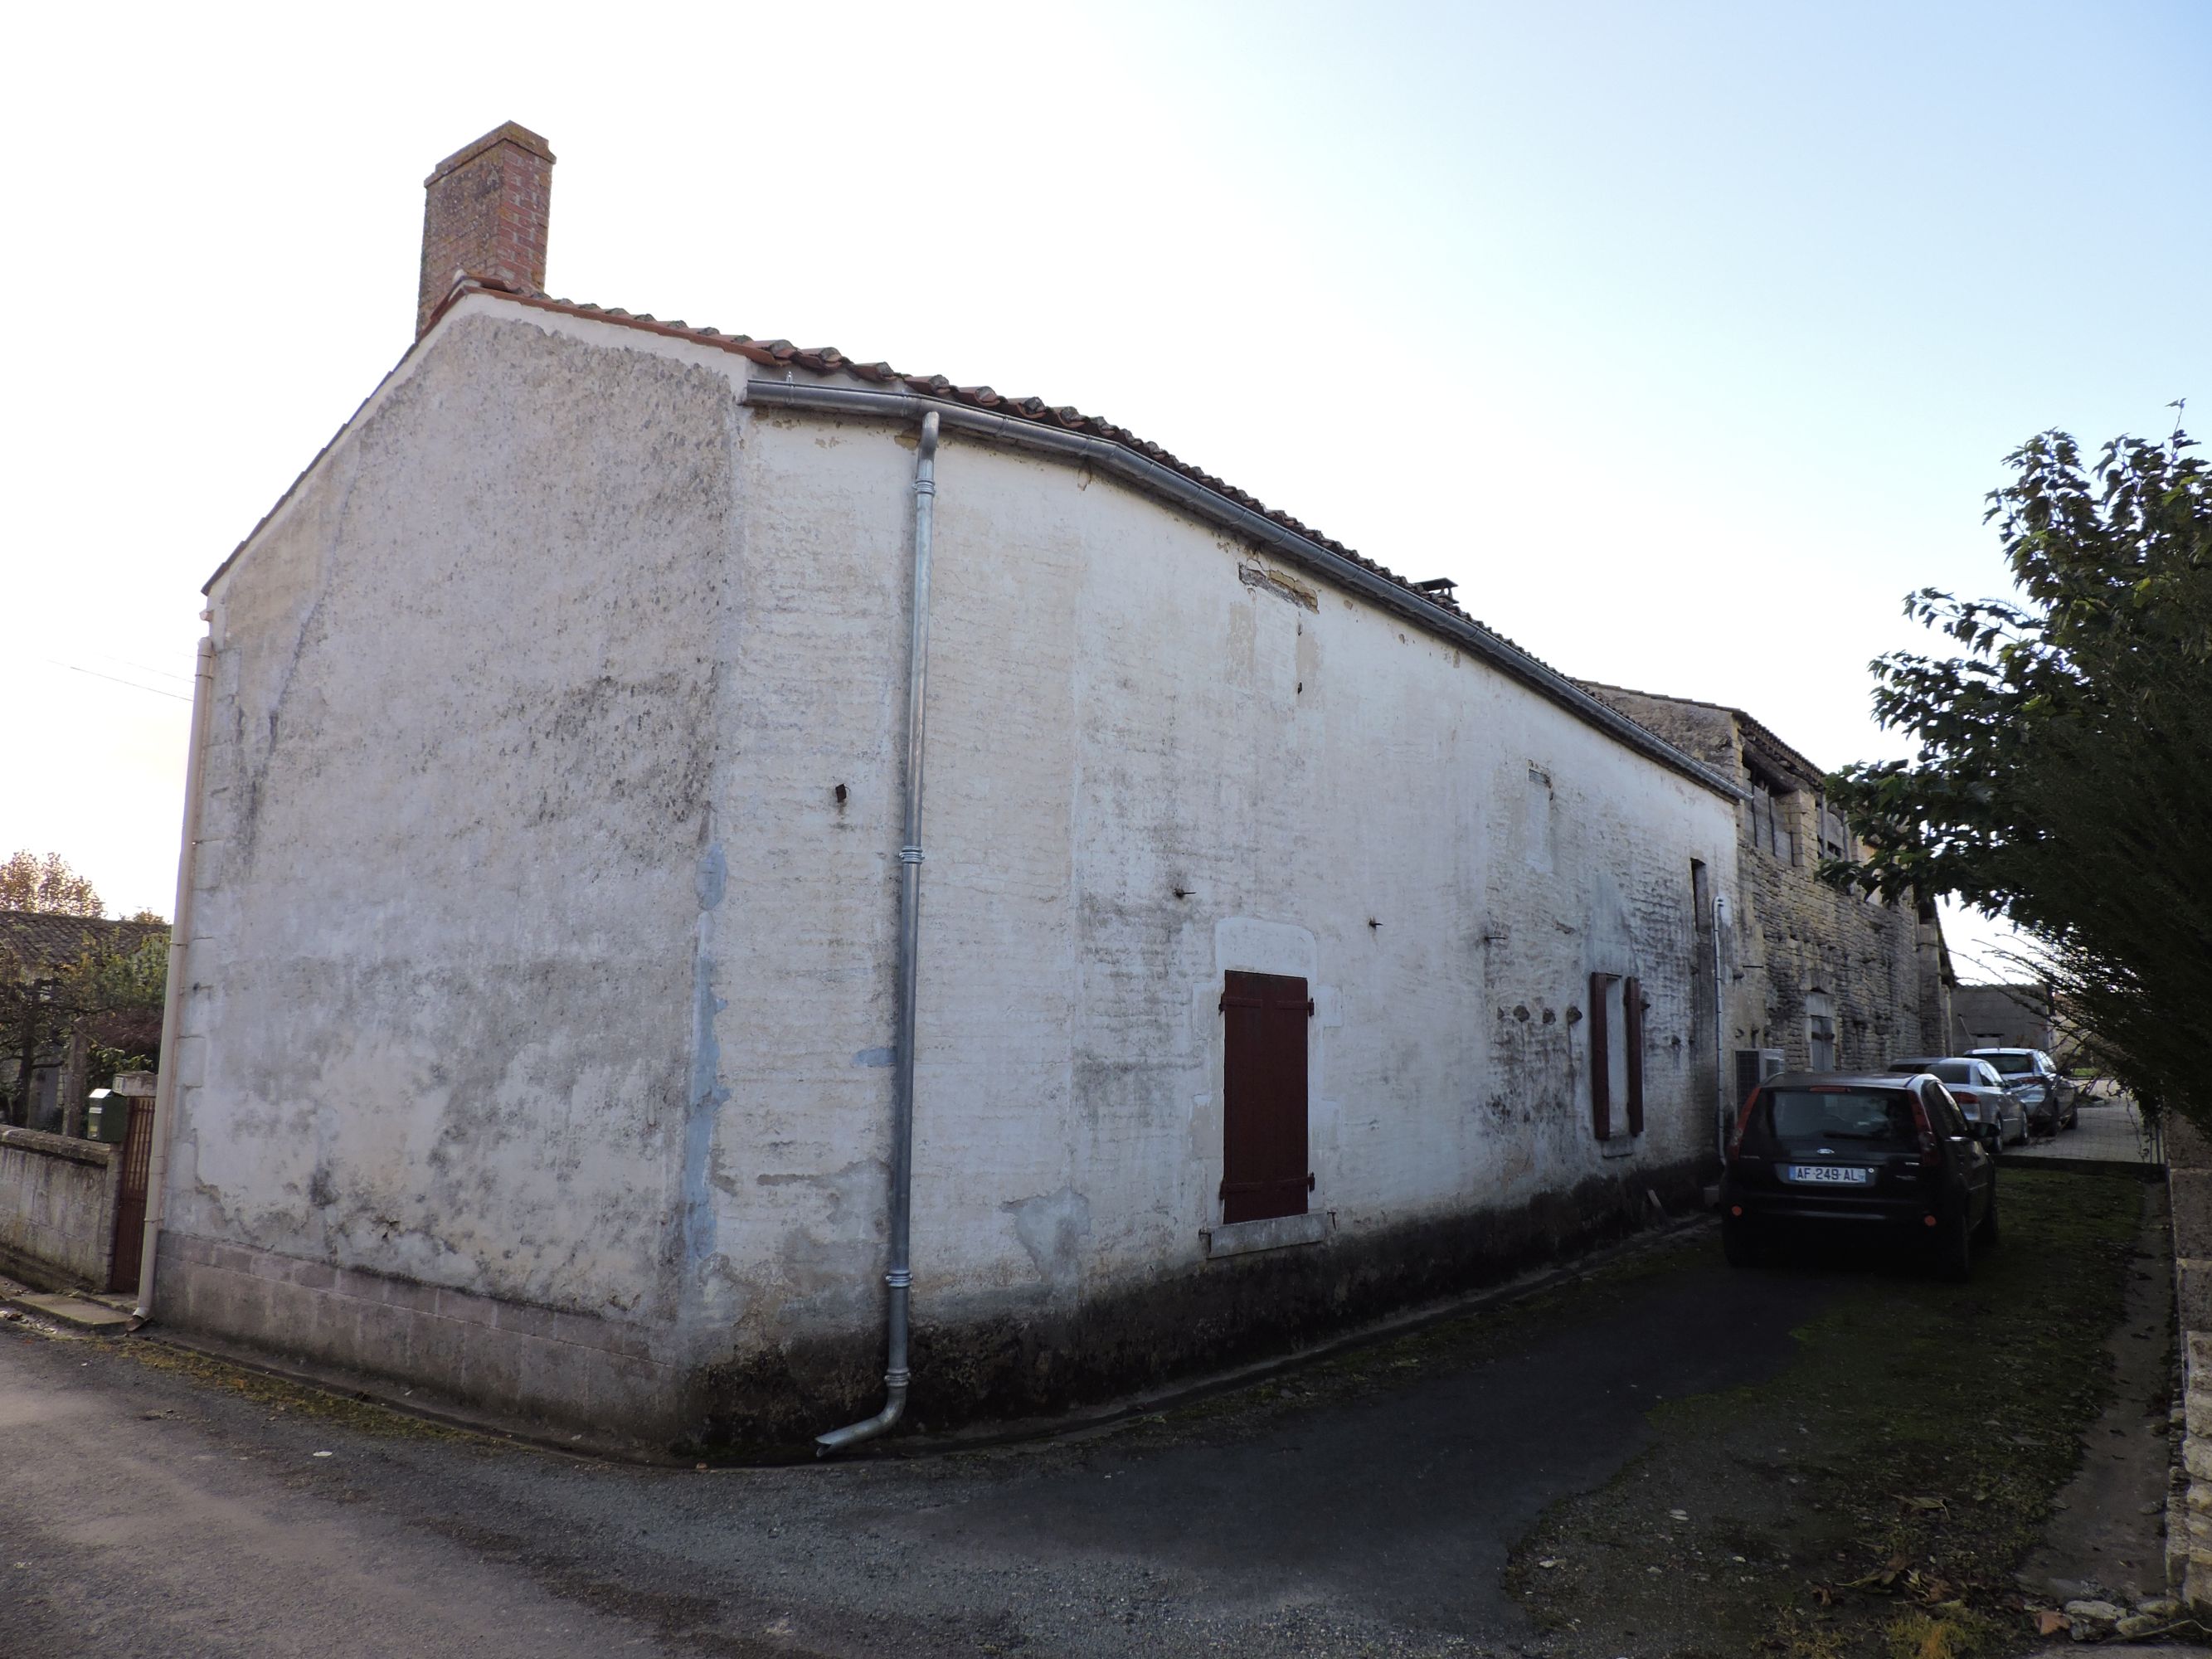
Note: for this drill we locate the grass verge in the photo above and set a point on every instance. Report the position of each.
(1875, 1497)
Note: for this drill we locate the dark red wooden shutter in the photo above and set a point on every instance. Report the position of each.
(1263, 1097)
(1601, 1059)
(1631, 1035)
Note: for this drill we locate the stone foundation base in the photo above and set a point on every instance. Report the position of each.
(539, 1368)
(532, 1366)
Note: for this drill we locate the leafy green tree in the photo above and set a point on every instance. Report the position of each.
(2063, 777)
(119, 995)
(92, 1017)
(47, 884)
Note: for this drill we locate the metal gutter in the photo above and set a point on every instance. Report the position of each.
(1173, 487)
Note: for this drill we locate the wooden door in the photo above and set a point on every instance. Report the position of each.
(1264, 1168)
(130, 1200)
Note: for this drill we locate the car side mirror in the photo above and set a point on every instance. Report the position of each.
(1988, 1134)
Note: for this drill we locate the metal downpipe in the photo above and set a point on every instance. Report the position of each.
(1723, 1086)
(898, 1275)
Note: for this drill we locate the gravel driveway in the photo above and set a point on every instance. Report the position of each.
(160, 1504)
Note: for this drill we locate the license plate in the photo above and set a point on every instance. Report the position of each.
(1834, 1173)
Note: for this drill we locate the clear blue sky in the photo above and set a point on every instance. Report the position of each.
(1686, 338)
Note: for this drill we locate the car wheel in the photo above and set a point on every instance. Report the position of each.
(1954, 1250)
(1738, 1245)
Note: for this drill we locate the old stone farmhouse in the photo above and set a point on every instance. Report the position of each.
(2022, 1016)
(1813, 977)
(1283, 942)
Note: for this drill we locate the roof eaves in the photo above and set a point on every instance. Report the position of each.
(1435, 612)
(1765, 738)
(1319, 557)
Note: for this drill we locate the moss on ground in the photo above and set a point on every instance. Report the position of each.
(280, 1397)
(1493, 1326)
(1875, 1497)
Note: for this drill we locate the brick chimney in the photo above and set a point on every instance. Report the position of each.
(484, 213)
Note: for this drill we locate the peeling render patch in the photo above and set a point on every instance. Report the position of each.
(875, 1057)
(1282, 586)
(1052, 1227)
(706, 1094)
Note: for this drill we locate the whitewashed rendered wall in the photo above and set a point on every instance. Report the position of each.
(538, 1041)
(1123, 703)
(439, 1046)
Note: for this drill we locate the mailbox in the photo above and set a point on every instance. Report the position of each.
(108, 1117)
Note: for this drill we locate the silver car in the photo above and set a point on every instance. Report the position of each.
(2051, 1098)
(1978, 1088)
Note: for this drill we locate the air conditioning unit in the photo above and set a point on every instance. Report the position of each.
(1753, 1067)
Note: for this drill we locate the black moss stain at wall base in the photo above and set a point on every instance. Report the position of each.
(1218, 1315)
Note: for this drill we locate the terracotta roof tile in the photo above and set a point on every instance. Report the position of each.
(782, 354)
(39, 941)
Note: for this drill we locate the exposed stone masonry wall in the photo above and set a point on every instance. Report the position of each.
(57, 1207)
(1792, 934)
(1805, 936)
(2189, 1511)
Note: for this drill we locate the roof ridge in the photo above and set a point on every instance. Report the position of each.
(1789, 751)
(1066, 419)
(827, 359)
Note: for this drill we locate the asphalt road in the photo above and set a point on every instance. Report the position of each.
(143, 1511)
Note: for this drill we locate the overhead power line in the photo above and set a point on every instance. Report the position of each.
(155, 691)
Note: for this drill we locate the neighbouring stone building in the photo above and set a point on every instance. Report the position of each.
(45, 1045)
(2003, 1016)
(1291, 943)
(1815, 978)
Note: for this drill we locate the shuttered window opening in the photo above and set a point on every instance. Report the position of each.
(1264, 1170)
(1616, 1055)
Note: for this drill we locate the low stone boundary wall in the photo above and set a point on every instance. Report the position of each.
(2189, 1511)
(57, 1208)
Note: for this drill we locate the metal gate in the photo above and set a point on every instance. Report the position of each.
(130, 1201)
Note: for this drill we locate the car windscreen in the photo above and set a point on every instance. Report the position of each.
(2012, 1065)
(1859, 1119)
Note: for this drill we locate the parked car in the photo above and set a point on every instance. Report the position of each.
(2053, 1099)
(1979, 1089)
(1873, 1157)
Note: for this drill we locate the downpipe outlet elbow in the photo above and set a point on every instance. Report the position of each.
(836, 1440)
